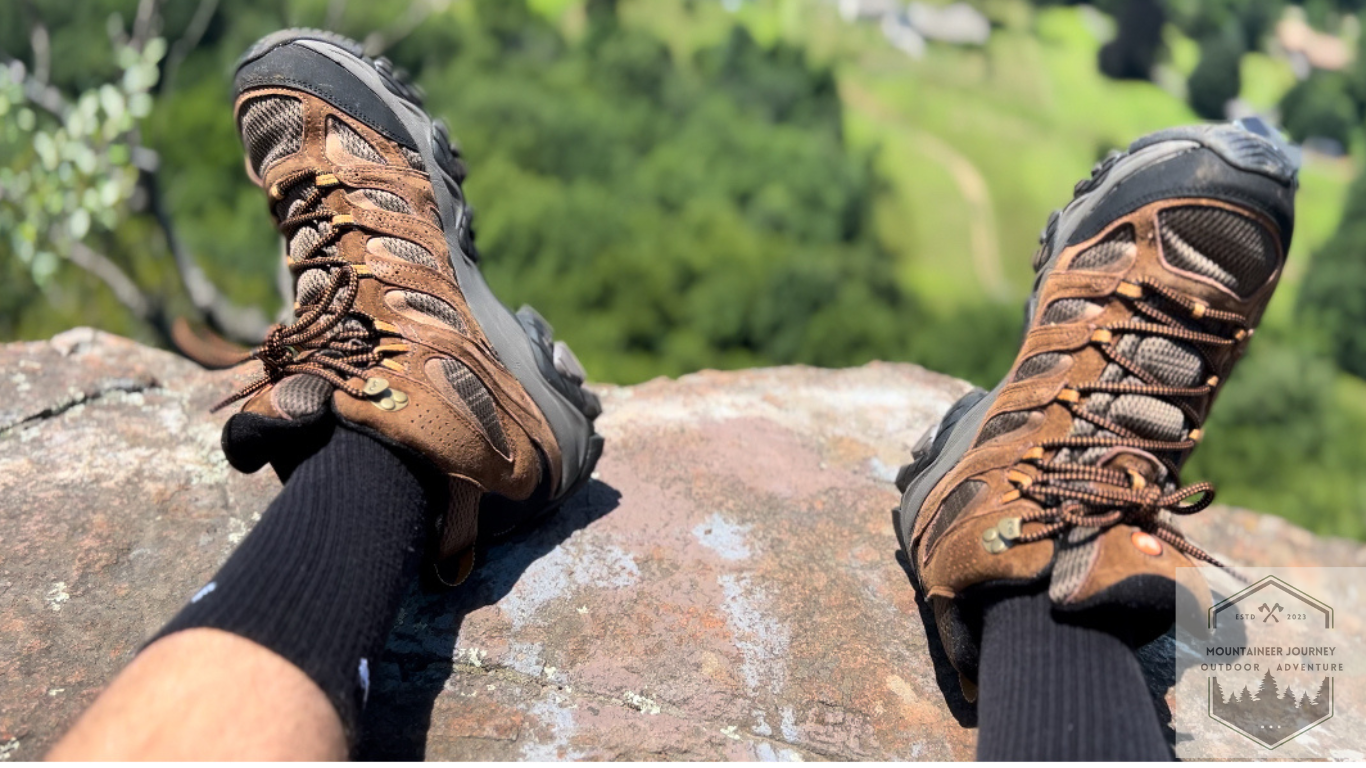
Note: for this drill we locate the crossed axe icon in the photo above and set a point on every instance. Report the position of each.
(1270, 612)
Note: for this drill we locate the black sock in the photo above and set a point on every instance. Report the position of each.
(1055, 691)
(319, 579)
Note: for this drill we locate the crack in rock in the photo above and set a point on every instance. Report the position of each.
(79, 397)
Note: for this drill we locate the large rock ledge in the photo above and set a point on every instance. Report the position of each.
(726, 589)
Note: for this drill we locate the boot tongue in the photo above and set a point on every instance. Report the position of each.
(1077, 559)
(1172, 363)
(272, 131)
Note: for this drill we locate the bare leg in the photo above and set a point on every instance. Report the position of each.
(271, 659)
(204, 694)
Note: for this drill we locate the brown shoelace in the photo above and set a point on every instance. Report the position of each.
(343, 354)
(1116, 496)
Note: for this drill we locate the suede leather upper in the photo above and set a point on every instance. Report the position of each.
(432, 418)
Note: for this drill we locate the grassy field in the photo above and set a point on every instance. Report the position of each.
(1026, 117)
(976, 147)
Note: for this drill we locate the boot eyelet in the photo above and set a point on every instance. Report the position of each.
(1009, 528)
(1000, 537)
(1146, 543)
(992, 543)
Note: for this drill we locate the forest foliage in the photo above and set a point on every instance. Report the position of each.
(667, 210)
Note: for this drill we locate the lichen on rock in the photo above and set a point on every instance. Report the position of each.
(727, 588)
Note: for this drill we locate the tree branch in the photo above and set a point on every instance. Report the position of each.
(145, 24)
(194, 32)
(42, 53)
(247, 325)
(417, 12)
(125, 290)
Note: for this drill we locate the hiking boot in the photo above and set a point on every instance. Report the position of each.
(1149, 285)
(396, 333)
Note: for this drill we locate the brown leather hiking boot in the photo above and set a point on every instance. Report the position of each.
(1149, 285)
(395, 331)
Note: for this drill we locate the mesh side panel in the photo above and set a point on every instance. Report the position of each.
(352, 141)
(1119, 244)
(1064, 310)
(272, 129)
(414, 159)
(1099, 403)
(436, 308)
(1174, 363)
(1036, 365)
(303, 240)
(1148, 416)
(954, 504)
(293, 200)
(312, 283)
(301, 395)
(1221, 245)
(1002, 424)
(477, 397)
(388, 201)
(408, 251)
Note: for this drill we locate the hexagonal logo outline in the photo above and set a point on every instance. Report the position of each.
(1229, 602)
(1263, 583)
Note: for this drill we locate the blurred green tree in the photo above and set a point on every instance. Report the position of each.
(1333, 293)
(1321, 106)
(1217, 78)
(685, 217)
(683, 214)
(1310, 470)
(1137, 42)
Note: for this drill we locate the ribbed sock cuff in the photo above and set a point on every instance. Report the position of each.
(1055, 691)
(319, 578)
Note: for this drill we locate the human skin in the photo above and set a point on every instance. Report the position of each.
(205, 694)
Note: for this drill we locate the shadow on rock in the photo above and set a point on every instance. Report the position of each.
(418, 658)
(945, 676)
(1158, 662)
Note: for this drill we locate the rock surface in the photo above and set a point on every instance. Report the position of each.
(726, 588)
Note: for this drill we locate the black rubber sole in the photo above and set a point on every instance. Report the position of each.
(924, 455)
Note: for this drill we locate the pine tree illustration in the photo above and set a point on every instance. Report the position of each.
(1289, 706)
(1242, 711)
(1266, 688)
(1323, 703)
(1217, 703)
